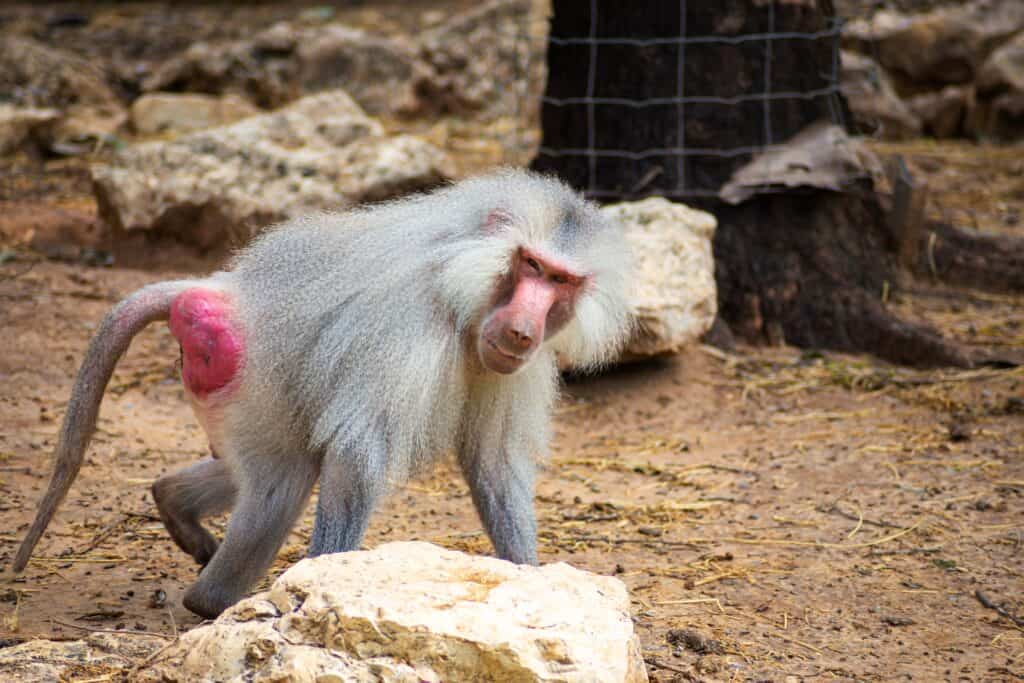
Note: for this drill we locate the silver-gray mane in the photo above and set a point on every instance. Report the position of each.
(358, 348)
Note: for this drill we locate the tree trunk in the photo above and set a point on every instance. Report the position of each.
(806, 268)
(732, 101)
(810, 270)
(972, 259)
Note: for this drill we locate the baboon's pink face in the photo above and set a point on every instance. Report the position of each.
(537, 300)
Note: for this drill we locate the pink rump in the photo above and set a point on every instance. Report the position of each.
(211, 345)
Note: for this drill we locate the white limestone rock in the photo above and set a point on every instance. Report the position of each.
(415, 612)
(674, 297)
(102, 654)
(223, 185)
(176, 113)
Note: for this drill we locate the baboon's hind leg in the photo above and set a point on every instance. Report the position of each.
(185, 497)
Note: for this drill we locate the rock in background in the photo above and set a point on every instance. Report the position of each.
(418, 613)
(486, 64)
(33, 75)
(674, 296)
(873, 100)
(287, 61)
(941, 47)
(468, 65)
(24, 127)
(477, 58)
(221, 186)
(999, 109)
(958, 68)
(942, 112)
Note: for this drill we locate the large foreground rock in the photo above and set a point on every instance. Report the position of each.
(416, 613)
(225, 184)
(100, 657)
(674, 298)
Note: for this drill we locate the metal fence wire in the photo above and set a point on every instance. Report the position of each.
(680, 165)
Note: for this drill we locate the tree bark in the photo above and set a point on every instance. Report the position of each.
(810, 270)
(972, 259)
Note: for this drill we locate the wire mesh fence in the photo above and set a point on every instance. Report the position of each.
(649, 127)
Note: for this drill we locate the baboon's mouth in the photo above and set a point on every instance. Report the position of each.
(505, 353)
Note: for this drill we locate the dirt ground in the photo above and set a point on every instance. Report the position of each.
(777, 514)
(774, 512)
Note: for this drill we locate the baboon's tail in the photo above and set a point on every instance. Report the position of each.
(109, 343)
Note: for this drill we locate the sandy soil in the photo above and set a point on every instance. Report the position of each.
(774, 513)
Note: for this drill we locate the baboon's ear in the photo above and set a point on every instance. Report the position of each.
(498, 220)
